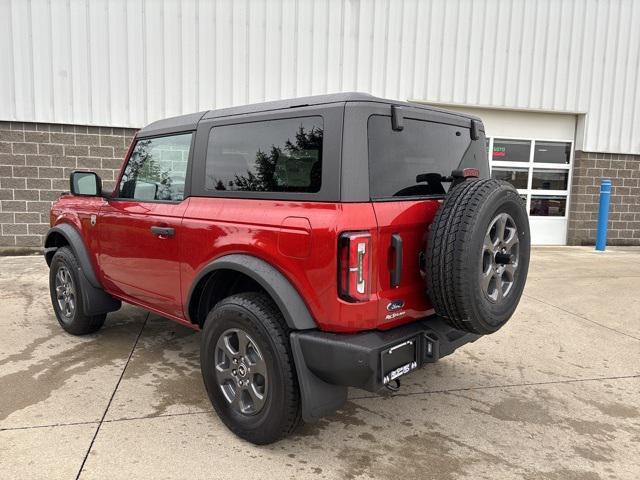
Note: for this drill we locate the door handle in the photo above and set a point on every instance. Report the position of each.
(396, 271)
(163, 231)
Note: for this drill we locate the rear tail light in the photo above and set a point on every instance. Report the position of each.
(354, 266)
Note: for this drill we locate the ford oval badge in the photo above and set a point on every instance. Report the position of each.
(395, 305)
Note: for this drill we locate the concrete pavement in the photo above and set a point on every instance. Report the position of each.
(553, 395)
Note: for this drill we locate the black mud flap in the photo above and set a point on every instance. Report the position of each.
(319, 398)
(95, 301)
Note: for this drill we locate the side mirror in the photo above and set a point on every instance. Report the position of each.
(85, 184)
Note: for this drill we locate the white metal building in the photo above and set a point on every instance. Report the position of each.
(541, 73)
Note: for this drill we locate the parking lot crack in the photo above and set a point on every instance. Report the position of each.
(580, 316)
(162, 415)
(50, 425)
(106, 410)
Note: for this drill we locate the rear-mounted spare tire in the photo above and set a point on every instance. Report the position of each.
(477, 255)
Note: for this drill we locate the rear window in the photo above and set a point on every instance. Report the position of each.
(425, 149)
(269, 156)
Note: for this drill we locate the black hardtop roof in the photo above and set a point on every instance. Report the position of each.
(190, 121)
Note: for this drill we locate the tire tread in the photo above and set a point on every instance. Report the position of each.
(82, 324)
(447, 285)
(262, 307)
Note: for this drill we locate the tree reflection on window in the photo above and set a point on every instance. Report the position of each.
(294, 167)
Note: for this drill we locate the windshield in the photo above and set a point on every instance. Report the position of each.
(412, 162)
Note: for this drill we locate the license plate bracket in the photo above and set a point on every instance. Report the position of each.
(399, 360)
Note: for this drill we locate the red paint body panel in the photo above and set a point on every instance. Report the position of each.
(409, 219)
(212, 228)
(300, 239)
(77, 211)
(136, 263)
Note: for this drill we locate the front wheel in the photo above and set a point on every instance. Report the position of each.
(66, 295)
(248, 370)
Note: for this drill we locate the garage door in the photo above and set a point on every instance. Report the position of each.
(534, 152)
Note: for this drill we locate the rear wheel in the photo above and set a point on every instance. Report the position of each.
(248, 370)
(66, 295)
(478, 255)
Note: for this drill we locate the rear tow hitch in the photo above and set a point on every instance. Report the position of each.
(393, 385)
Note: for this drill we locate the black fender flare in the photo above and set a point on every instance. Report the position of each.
(284, 294)
(94, 299)
(79, 249)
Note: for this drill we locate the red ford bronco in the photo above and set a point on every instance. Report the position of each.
(318, 243)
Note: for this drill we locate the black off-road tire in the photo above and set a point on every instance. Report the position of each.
(73, 321)
(259, 319)
(458, 255)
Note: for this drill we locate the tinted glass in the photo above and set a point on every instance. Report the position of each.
(271, 156)
(548, 206)
(552, 152)
(511, 150)
(425, 149)
(550, 179)
(157, 169)
(518, 177)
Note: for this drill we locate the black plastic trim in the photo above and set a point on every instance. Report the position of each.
(171, 125)
(396, 271)
(94, 299)
(355, 359)
(98, 184)
(163, 231)
(319, 398)
(475, 135)
(76, 243)
(397, 118)
(287, 298)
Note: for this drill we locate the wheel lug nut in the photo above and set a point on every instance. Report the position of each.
(233, 372)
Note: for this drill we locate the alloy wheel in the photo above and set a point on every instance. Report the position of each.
(500, 256)
(241, 372)
(65, 292)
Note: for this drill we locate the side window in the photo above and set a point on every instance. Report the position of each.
(157, 169)
(269, 156)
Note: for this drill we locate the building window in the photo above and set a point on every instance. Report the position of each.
(511, 150)
(548, 205)
(539, 169)
(550, 179)
(552, 152)
(518, 177)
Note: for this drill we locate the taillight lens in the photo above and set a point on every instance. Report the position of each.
(354, 269)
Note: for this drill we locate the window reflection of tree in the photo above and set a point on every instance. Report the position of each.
(143, 168)
(268, 178)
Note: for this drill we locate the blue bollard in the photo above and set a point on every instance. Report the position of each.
(603, 214)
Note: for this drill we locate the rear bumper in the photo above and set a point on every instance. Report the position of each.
(328, 363)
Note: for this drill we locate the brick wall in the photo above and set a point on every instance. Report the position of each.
(35, 162)
(624, 213)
